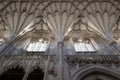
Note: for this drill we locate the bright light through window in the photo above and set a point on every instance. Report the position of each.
(81, 46)
(2, 41)
(39, 46)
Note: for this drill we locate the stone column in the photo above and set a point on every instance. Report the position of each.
(62, 67)
(26, 76)
(46, 68)
(60, 61)
(28, 69)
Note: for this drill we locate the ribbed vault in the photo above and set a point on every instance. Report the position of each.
(61, 24)
(21, 20)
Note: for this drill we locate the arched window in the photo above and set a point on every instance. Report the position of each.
(38, 46)
(83, 45)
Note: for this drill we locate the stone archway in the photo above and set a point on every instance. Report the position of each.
(98, 76)
(36, 74)
(13, 74)
(96, 72)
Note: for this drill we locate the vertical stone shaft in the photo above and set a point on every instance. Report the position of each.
(60, 60)
(25, 76)
(46, 68)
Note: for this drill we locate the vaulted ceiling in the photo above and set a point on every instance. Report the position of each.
(60, 18)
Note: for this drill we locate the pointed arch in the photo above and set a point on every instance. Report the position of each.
(14, 73)
(36, 74)
(95, 68)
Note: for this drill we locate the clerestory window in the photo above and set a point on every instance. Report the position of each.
(39, 46)
(2, 40)
(83, 46)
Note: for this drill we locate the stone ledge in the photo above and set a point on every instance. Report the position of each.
(73, 59)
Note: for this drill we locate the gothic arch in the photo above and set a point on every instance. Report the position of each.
(95, 68)
(89, 3)
(13, 73)
(50, 3)
(98, 76)
(36, 74)
(36, 67)
(15, 65)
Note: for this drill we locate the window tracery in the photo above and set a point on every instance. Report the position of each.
(38, 46)
(83, 45)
